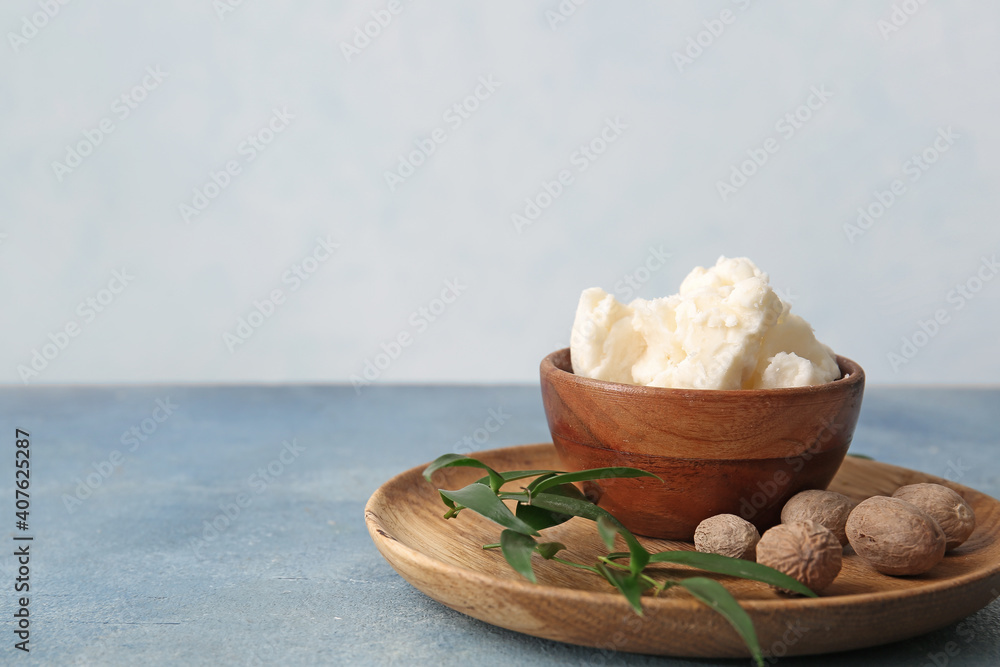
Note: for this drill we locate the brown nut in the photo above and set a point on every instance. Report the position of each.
(804, 550)
(894, 536)
(827, 508)
(945, 506)
(727, 534)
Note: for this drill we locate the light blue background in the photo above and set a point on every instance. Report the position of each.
(324, 175)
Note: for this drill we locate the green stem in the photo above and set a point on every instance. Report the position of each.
(607, 561)
(657, 586)
(668, 583)
(588, 568)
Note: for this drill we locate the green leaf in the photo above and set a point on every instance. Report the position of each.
(548, 550)
(541, 479)
(539, 518)
(512, 475)
(715, 595)
(607, 530)
(479, 498)
(568, 491)
(446, 500)
(588, 510)
(630, 585)
(457, 460)
(574, 506)
(541, 484)
(736, 567)
(861, 456)
(638, 555)
(517, 550)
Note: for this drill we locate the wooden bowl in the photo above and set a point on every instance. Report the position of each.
(743, 452)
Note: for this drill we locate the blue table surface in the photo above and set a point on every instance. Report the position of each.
(127, 567)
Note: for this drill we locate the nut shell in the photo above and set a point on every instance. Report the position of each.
(945, 506)
(895, 537)
(727, 534)
(804, 550)
(827, 508)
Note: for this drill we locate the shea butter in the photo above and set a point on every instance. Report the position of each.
(725, 329)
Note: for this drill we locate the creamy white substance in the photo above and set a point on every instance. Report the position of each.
(725, 329)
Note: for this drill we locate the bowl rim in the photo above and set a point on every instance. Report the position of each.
(851, 376)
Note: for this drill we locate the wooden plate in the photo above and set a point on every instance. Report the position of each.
(444, 559)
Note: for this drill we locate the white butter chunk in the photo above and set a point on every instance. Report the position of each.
(604, 338)
(725, 329)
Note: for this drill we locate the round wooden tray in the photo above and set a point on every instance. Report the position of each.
(445, 560)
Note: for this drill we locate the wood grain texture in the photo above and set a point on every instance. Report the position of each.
(444, 559)
(742, 452)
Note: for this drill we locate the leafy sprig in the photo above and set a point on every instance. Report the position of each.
(551, 499)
